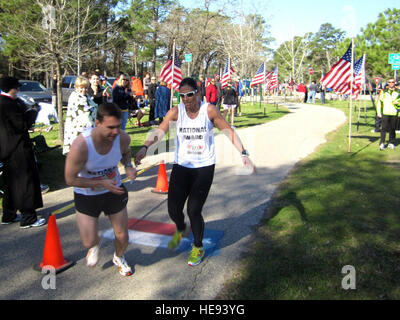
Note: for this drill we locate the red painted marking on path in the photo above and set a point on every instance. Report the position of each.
(151, 226)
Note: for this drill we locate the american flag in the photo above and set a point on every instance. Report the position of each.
(359, 71)
(358, 81)
(166, 72)
(272, 82)
(228, 71)
(260, 76)
(340, 72)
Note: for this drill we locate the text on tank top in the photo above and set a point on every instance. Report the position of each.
(194, 139)
(99, 166)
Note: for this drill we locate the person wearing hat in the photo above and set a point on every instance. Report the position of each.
(22, 189)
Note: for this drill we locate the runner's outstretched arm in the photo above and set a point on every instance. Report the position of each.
(156, 135)
(219, 121)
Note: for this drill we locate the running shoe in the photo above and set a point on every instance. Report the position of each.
(176, 239)
(391, 146)
(382, 146)
(38, 223)
(196, 256)
(16, 219)
(124, 268)
(44, 188)
(93, 256)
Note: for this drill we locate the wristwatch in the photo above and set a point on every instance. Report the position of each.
(129, 165)
(245, 153)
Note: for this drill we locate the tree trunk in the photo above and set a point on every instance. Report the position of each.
(328, 59)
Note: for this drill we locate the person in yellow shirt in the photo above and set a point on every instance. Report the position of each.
(388, 109)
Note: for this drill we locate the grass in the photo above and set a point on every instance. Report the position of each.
(52, 162)
(335, 209)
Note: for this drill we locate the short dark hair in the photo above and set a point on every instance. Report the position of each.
(108, 110)
(189, 82)
(7, 83)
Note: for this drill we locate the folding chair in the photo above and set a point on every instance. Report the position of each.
(40, 146)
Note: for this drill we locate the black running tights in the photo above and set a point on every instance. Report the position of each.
(192, 185)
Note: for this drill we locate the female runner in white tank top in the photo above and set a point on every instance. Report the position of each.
(193, 171)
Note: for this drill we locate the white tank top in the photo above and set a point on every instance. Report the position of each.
(100, 166)
(194, 139)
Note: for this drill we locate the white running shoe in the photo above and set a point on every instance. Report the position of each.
(93, 256)
(382, 146)
(124, 268)
(38, 223)
(391, 146)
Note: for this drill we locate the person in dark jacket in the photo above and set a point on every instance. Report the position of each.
(163, 99)
(201, 84)
(20, 172)
(122, 97)
(229, 100)
(152, 99)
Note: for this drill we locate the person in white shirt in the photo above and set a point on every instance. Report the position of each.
(193, 171)
(91, 168)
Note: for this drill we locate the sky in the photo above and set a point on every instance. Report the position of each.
(289, 18)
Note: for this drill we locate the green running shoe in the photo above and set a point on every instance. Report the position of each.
(176, 239)
(196, 256)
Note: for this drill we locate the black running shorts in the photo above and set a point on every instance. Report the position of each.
(109, 203)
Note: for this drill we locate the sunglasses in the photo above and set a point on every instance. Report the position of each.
(390, 81)
(188, 94)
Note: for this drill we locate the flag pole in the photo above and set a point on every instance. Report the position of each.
(229, 78)
(173, 74)
(263, 84)
(351, 93)
(364, 85)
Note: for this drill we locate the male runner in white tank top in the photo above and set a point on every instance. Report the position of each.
(91, 168)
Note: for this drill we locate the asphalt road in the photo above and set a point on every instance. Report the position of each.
(234, 208)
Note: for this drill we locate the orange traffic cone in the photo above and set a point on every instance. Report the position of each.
(53, 255)
(162, 181)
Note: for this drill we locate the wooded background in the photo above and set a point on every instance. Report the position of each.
(136, 36)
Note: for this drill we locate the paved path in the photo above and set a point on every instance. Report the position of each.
(234, 207)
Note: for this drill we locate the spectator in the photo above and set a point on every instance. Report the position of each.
(95, 90)
(218, 85)
(212, 93)
(120, 73)
(230, 100)
(152, 99)
(163, 97)
(302, 89)
(137, 87)
(388, 109)
(81, 113)
(201, 84)
(22, 190)
(378, 120)
(146, 84)
(312, 92)
(122, 97)
(240, 91)
(106, 88)
(323, 93)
